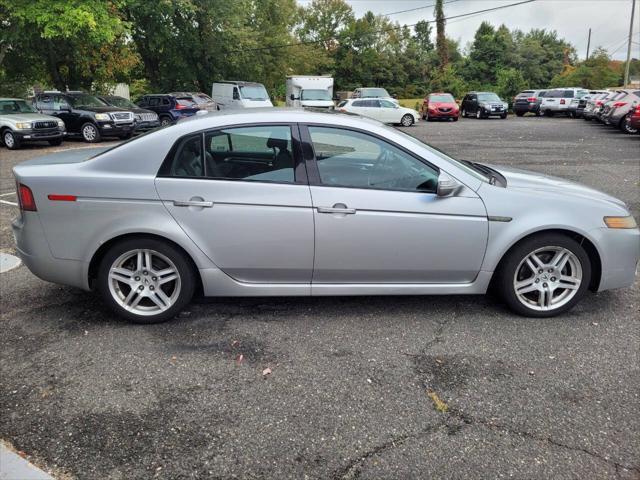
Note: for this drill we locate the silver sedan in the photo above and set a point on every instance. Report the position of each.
(286, 202)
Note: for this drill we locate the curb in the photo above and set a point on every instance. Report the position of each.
(14, 467)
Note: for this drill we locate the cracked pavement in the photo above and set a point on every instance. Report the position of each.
(88, 396)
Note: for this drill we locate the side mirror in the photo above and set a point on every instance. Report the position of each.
(447, 186)
(292, 97)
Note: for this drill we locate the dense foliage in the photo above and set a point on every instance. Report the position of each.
(187, 44)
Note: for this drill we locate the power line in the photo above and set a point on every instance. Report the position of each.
(388, 29)
(416, 8)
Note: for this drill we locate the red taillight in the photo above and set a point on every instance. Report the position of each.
(532, 99)
(62, 198)
(180, 107)
(562, 102)
(637, 112)
(598, 103)
(26, 200)
(619, 104)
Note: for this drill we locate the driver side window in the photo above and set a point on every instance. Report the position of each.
(346, 158)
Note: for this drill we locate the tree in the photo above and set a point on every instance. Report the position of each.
(74, 44)
(441, 40)
(509, 83)
(596, 72)
(323, 20)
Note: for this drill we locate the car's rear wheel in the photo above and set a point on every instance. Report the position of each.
(544, 275)
(626, 127)
(406, 120)
(90, 133)
(10, 140)
(146, 280)
(165, 120)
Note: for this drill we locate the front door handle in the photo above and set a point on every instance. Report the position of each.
(193, 203)
(337, 208)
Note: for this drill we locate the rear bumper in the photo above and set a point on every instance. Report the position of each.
(33, 250)
(620, 253)
(526, 107)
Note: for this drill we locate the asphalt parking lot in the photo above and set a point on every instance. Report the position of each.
(360, 387)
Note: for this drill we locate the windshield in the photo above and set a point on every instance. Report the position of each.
(9, 107)
(488, 97)
(465, 165)
(374, 93)
(441, 98)
(121, 102)
(254, 92)
(86, 101)
(315, 95)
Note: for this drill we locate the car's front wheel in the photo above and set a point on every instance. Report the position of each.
(10, 140)
(90, 133)
(146, 280)
(544, 275)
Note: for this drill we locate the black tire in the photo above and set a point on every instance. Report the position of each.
(180, 260)
(10, 140)
(455, 119)
(407, 120)
(479, 113)
(165, 120)
(625, 126)
(503, 116)
(538, 113)
(56, 142)
(520, 114)
(507, 271)
(464, 113)
(90, 133)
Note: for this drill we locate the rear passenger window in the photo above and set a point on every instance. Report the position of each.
(568, 93)
(262, 153)
(187, 158)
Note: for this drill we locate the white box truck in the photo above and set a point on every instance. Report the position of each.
(310, 91)
(230, 95)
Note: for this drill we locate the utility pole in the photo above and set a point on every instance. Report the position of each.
(588, 44)
(626, 68)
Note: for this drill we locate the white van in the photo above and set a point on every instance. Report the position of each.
(230, 95)
(310, 91)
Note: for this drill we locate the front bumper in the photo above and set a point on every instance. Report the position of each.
(115, 129)
(36, 135)
(439, 114)
(493, 113)
(145, 126)
(619, 253)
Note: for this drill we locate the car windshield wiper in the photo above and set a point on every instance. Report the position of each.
(492, 175)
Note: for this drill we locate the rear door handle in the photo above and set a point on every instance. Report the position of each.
(193, 203)
(337, 208)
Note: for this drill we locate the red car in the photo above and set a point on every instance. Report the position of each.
(440, 105)
(631, 124)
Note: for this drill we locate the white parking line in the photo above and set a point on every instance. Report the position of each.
(7, 202)
(7, 194)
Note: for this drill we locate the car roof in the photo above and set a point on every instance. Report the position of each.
(239, 82)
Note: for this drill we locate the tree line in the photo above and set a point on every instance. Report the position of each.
(170, 45)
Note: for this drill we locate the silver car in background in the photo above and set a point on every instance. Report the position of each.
(287, 202)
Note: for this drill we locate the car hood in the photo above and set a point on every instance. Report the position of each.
(443, 104)
(526, 180)
(28, 117)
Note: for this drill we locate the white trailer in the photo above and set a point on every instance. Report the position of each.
(310, 91)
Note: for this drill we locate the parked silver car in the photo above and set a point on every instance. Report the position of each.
(287, 202)
(20, 123)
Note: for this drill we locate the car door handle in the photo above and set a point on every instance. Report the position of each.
(337, 208)
(193, 203)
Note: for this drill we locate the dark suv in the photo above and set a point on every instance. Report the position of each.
(86, 115)
(528, 101)
(144, 119)
(483, 105)
(169, 108)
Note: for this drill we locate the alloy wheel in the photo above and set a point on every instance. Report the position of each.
(8, 139)
(478, 114)
(547, 278)
(407, 121)
(89, 133)
(626, 126)
(144, 282)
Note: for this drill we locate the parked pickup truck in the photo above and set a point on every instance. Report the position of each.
(20, 123)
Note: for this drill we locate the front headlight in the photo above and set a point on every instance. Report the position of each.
(102, 116)
(23, 125)
(60, 123)
(620, 222)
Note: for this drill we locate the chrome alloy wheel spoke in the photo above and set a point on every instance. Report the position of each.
(144, 282)
(547, 278)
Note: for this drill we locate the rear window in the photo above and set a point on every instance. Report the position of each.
(568, 94)
(554, 94)
(526, 93)
(185, 102)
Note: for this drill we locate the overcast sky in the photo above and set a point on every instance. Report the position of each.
(608, 19)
